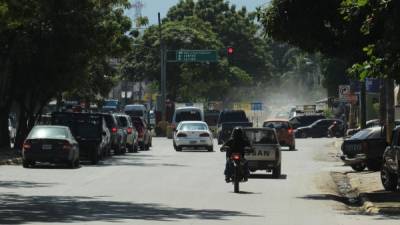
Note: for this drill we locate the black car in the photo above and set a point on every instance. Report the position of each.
(390, 173)
(317, 129)
(304, 120)
(89, 130)
(229, 119)
(365, 149)
(54, 144)
(118, 134)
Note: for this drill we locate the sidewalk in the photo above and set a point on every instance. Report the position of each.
(9, 156)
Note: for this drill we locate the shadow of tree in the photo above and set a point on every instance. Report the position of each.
(23, 184)
(18, 209)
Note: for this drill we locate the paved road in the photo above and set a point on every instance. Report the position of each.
(162, 186)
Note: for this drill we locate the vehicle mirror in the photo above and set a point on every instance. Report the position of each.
(224, 148)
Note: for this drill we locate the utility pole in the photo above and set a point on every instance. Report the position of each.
(363, 104)
(382, 102)
(163, 66)
(389, 83)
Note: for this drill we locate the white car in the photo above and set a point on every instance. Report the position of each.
(193, 134)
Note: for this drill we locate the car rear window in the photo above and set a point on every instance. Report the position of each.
(276, 124)
(369, 133)
(234, 116)
(194, 115)
(88, 127)
(123, 121)
(193, 126)
(109, 121)
(261, 136)
(48, 132)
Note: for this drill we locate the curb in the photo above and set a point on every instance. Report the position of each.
(367, 205)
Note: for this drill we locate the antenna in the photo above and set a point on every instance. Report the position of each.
(138, 5)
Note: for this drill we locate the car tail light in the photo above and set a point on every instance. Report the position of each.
(67, 146)
(114, 130)
(290, 131)
(204, 135)
(129, 130)
(235, 156)
(27, 145)
(181, 135)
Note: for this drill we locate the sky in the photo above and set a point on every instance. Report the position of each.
(152, 7)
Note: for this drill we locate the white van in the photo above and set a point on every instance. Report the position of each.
(187, 114)
(137, 110)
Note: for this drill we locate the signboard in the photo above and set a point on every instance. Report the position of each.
(192, 56)
(256, 106)
(344, 92)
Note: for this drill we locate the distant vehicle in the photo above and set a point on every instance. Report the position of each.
(90, 130)
(193, 134)
(211, 118)
(53, 144)
(132, 135)
(137, 110)
(390, 173)
(144, 133)
(186, 114)
(229, 119)
(317, 129)
(11, 130)
(118, 135)
(365, 149)
(267, 151)
(111, 105)
(284, 131)
(305, 120)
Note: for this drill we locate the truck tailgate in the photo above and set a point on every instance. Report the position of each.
(263, 153)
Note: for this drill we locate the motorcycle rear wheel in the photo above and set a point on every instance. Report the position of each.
(236, 180)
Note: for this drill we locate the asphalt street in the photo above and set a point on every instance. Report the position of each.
(162, 186)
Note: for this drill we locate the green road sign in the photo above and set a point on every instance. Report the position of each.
(192, 56)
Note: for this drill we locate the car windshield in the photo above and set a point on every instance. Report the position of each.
(192, 127)
(138, 113)
(194, 115)
(238, 116)
(261, 136)
(48, 132)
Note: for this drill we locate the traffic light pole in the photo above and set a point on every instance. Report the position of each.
(163, 66)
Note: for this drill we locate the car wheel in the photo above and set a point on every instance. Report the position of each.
(147, 147)
(95, 158)
(26, 164)
(178, 148)
(358, 167)
(389, 180)
(374, 165)
(276, 172)
(303, 135)
(210, 148)
(123, 149)
(130, 148)
(135, 148)
(292, 148)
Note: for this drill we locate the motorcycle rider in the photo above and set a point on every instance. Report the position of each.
(236, 144)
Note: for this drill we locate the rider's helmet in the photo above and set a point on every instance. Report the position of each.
(237, 133)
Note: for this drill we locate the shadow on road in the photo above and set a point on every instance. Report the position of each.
(23, 184)
(267, 176)
(17, 209)
(337, 198)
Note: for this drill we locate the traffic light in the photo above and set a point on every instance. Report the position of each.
(230, 51)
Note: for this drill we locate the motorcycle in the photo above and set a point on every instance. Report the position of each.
(237, 163)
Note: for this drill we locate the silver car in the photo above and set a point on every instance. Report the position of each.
(193, 134)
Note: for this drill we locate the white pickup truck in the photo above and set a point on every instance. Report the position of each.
(267, 151)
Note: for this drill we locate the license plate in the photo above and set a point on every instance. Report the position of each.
(46, 147)
(193, 142)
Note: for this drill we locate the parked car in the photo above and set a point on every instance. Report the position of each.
(267, 151)
(53, 144)
(390, 173)
(304, 120)
(144, 133)
(193, 134)
(284, 131)
(138, 110)
(365, 149)
(317, 129)
(132, 135)
(118, 135)
(90, 130)
(229, 119)
(369, 123)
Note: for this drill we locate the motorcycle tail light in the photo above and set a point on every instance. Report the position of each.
(235, 156)
(290, 131)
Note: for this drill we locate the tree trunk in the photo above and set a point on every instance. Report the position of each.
(382, 102)
(4, 133)
(389, 109)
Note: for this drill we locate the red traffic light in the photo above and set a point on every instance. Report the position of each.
(230, 50)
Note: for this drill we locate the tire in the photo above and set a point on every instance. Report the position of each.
(303, 135)
(147, 147)
(117, 150)
(135, 148)
(236, 188)
(178, 149)
(73, 164)
(26, 164)
(94, 159)
(220, 141)
(389, 180)
(210, 149)
(130, 148)
(374, 165)
(276, 172)
(292, 148)
(358, 167)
